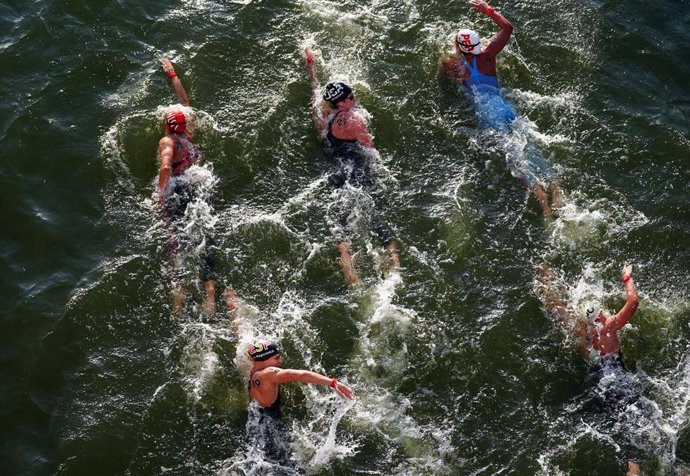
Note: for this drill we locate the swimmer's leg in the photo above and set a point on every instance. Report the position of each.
(209, 306)
(346, 264)
(633, 469)
(232, 302)
(556, 196)
(393, 254)
(543, 199)
(178, 296)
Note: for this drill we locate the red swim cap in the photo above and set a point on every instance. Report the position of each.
(176, 122)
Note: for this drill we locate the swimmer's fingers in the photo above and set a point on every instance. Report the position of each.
(309, 57)
(480, 5)
(167, 65)
(343, 391)
(627, 270)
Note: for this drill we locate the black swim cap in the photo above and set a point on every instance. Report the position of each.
(336, 92)
(260, 351)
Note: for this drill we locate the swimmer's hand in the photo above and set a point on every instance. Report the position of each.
(309, 56)
(480, 5)
(168, 67)
(342, 390)
(626, 273)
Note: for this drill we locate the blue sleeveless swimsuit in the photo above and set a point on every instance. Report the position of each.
(493, 111)
(526, 165)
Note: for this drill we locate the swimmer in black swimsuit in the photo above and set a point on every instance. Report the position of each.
(350, 146)
(266, 376)
(596, 338)
(264, 429)
(175, 191)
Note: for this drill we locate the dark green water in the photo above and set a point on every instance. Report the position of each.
(456, 365)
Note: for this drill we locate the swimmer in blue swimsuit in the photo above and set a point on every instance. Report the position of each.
(350, 146)
(177, 153)
(474, 66)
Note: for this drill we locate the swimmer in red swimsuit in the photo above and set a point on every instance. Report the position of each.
(178, 153)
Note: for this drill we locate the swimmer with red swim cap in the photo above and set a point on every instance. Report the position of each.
(266, 376)
(177, 153)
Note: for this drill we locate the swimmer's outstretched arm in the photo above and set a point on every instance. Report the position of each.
(554, 303)
(177, 84)
(632, 300)
(319, 108)
(500, 39)
(279, 376)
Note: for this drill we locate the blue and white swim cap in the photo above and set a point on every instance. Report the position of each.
(468, 41)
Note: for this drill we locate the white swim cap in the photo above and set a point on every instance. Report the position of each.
(592, 312)
(468, 41)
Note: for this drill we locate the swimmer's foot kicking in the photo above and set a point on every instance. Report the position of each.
(209, 307)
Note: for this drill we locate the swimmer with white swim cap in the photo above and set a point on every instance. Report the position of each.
(474, 65)
(598, 330)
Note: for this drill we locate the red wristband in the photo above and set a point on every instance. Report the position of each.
(171, 74)
(489, 11)
(626, 278)
(334, 382)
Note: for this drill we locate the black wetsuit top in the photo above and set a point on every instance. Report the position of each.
(273, 410)
(352, 163)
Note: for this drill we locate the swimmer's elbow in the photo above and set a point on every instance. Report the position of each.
(634, 300)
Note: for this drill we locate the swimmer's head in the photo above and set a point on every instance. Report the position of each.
(336, 92)
(468, 41)
(175, 122)
(260, 351)
(592, 312)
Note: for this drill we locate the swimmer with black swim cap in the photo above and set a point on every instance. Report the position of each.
(336, 92)
(344, 130)
(260, 351)
(265, 376)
